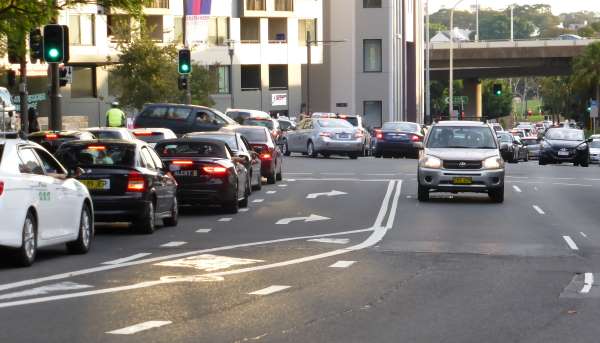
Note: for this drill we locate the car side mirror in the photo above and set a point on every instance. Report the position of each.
(75, 173)
(589, 140)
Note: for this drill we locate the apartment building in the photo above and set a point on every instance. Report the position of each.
(378, 71)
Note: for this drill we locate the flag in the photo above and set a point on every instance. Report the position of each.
(198, 7)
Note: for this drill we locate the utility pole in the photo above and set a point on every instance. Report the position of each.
(512, 23)
(55, 120)
(231, 50)
(451, 83)
(23, 94)
(428, 68)
(477, 20)
(308, 63)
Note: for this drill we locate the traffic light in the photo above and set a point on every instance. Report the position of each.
(56, 43)
(183, 83)
(36, 43)
(185, 61)
(497, 89)
(62, 76)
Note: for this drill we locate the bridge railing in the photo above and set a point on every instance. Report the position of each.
(523, 43)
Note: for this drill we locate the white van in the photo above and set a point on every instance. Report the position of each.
(7, 113)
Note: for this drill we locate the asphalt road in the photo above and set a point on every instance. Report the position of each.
(371, 264)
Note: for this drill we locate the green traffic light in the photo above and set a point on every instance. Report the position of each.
(54, 53)
(185, 68)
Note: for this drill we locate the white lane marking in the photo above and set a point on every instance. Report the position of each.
(342, 264)
(208, 262)
(571, 184)
(570, 242)
(583, 234)
(592, 179)
(130, 330)
(270, 290)
(256, 201)
(327, 194)
(203, 230)
(538, 209)
(311, 218)
(283, 185)
(383, 174)
(288, 173)
(330, 240)
(224, 219)
(518, 177)
(57, 287)
(588, 282)
(127, 259)
(346, 179)
(271, 192)
(173, 244)
(244, 210)
(337, 173)
(517, 189)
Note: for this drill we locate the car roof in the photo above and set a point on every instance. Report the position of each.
(157, 129)
(62, 133)
(251, 127)
(176, 105)
(104, 141)
(103, 129)
(211, 133)
(192, 139)
(460, 123)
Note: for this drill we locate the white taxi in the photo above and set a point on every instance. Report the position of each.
(40, 204)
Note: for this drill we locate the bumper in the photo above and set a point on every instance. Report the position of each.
(595, 158)
(119, 208)
(336, 146)
(398, 147)
(550, 156)
(267, 167)
(205, 196)
(443, 180)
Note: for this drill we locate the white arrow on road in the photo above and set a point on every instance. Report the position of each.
(311, 218)
(329, 194)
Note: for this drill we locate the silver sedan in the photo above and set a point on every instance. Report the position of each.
(325, 136)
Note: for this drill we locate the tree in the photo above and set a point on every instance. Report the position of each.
(586, 69)
(495, 106)
(434, 28)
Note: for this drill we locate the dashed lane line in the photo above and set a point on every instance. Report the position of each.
(203, 230)
(224, 219)
(517, 189)
(583, 234)
(342, 264)
(570, 243)
(588, 282)
(270, 290)
(271, 192)
(130, 330)
(538, 209)
(257, 201)
(128, 258)
(173, 244)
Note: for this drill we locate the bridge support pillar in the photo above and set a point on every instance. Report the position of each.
(472, 89)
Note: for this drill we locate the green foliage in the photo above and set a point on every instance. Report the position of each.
(495, 106)
(586, 32)
(434, 28)
(586, 68)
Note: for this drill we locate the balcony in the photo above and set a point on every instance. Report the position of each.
(284, 5)
(250, 30)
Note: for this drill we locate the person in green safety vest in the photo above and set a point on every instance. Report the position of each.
(115, 117)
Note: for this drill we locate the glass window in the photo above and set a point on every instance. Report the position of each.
(461, 137)
(200, 149)
(155, 112)
(565, 135)
(277, 30)
(157, 162)
(205, 117)
(222, 75)
(254, 135)
(334, 123)
(108, 134)
(284, 5)
(84, 82)
(178, 113)
(178, 29)
(372, 55)
(256, 5)
(29, 163)
(81, 29)
(218, 30)
(250, 30)
(229, 139)
(154, 25)
(594, 144)
(371, 3)
(372, 113)
(250, 77)
(50, 165)
(278, 77)
(306, 26)
(407, 127)
(147, 159)
(259, 122)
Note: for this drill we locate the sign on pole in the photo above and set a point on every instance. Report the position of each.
(594, 109)
(458, 100)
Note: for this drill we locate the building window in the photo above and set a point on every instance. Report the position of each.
(278, 77)
(305, 26)
(158, 4)
(84, 82)
(277, 30)
(250, 30)
(371, 3)
(81, 29)
(154, 27)
(178, 29)
(119, 27)
(284, 5)
(372, 113)
(256, 5)
(222, 75)
(372, 55)
(218, 30)
(250, 77)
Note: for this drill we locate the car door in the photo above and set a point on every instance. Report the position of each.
(306, 134)
(207, 121)
(156, 181)
(170, 185)
(178, 118)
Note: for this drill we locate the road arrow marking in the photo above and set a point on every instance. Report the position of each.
(311, 218)
(57, 287)
(127, 259)
(331, 240)
(130, 330)
(329, 194)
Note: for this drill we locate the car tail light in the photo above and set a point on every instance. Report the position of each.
(182, 162)
(266, 156)
(1, 187)
(326, 134)
(378, 134)
(359, 134)
(51, 136)
(214, 170)
(136, 182)
(415, 138)
(143, 133)
(96, 147)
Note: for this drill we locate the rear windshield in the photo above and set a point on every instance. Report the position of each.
(408, 127)
(466, 137)
(107, 134)
(254, 135)
(334, 123)
(259, 122)
(594, 144)
(97, 155)
(191, 149)
(229, 139)
(351, 120)
(150, 137)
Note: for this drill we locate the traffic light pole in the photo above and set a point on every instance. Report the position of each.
(188, 90)
(55, 119)
(23, 96)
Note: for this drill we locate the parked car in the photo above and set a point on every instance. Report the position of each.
(533, 146)
(182, 119)
(127, 181)
(565, 145)
(240, 115)
(497, 127)
(397, 138)
(52, 140)
(7, 111)
(461, 156)
(512, 148)
(110, 133)
(240, 147)
(271, 157)
(207, 172)
(153, 135)
(595, 151)
(40, 203)
(325, 136)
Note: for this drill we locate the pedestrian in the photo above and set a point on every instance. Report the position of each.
(115, 117)
(32, 118)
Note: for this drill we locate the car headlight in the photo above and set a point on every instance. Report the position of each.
(493, 163)
(430, 162)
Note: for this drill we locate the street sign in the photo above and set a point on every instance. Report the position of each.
(594, 109)
(458, 100)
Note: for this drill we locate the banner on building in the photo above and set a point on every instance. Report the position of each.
(279, 99)
(197, 14)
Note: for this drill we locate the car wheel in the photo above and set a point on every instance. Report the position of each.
(233, 206)
(423, 193)
(497, 195)
(285, 148)
(377, 154)
(25, 255)
(326, 155)
(279, 175)
(86, 232)
(541, 162)
(146, 224)
(272, 178)
(353, 156)
(310, 149)
(585, 164)
(174, 218)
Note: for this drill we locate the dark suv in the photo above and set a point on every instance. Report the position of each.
(182, 119)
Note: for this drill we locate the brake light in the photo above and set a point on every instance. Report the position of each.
(136, 182)
(415, 138)
(326, 134)
(51, 136)
(359, 135)
(183, 163)
(343, 116)
(143, 133)
(1, 187)
(378, 134)
(96, 147)
(214, 170)
(266, 156)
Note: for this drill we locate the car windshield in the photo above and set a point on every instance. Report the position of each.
(461, 137)
(408, 127)
(191, 149)
(529, 141)
(505, 138)
(253, 135)
(565, 135)
(334, 123)
(5, 96)
(97, 155)
(108, 134)
(594, 144)
(229, 139)
(259, 122)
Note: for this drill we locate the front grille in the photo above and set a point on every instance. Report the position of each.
(462, 165)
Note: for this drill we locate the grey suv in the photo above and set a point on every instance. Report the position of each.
(461, 156)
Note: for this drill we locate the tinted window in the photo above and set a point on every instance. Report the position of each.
(238, 116)
(156, 159)
(97, 155)
(461, 138)
(259, 122)
(285, 125)
(178, 113)
(408, 127)
(529, 141)
(208, 118)
(155, 112)
(253, 135)
(147, 159)
(29, 163)
(334, 123)
(506, 138)
(351, 120)
(565, 135)
(107, 134)
(191, 149)
(229, 139)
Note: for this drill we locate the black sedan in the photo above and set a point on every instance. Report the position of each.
(564, 145)
(127, 181)
(207, 172)
(512, 148)
(397, 139)
(52, 140)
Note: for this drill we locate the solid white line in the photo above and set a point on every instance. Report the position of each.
(258, 200)
(588, 282)
(269, 290)
(203, 230)
(330, 240)
(288, 173)
(244, 210)
(383, 209)
(57, 287)
(342, 264)
(173, 244)
(517, 189)
(271, 192)
(224, 219)
(380, 174)
(282, 185)
(583, 234)
(570, 242)
(337, 173)
(538, 209)
(130, 330)
(129, 258)
(571, 184)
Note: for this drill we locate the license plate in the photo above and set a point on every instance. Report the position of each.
(563, 153)
(462, 180)
(343, 136)
(102, 184)
(186, 173)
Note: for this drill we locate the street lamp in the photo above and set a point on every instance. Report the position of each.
(451, 86)
(231, 50)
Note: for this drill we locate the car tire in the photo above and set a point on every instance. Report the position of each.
(541, 162)
(272, 178)
(233, 206)
(26, 254)
(422, 193)
(146, 224)
(353, 156)
(377, 154)
(86, 233)
(285, 148)
(585, 164)
(326, 155)
(310, 150)
(279, 176)
(174, 218)
(497, 195)
(526, 159)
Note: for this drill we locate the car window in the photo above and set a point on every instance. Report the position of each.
(155, 112)
(408, 127)
(178, 113)
(594, 144)
(461, 137)
(506, 138)
(208, 118)
(285, 125)
(108, 134)
(147, 159)
(97, 155)
(259, 122)
(49, 163)
(334, 123)
(29, 163)
(191, 149)
(157, 162)
(254, 135)
(229, 139)
(246, 143)
(351, 120)
(238, 116)
(565, 135)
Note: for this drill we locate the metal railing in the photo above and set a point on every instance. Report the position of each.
(517, 43)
